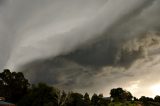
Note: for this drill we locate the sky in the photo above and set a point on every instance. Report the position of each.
(83, 45)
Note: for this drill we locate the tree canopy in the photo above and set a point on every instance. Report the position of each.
(13, 85)
(118, 94)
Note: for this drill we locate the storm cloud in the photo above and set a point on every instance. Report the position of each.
(83, 45)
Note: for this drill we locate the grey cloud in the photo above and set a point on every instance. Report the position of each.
(125, 42)
(68, 73)
(74, 23)
(2, 1)
(19, 17)
(60, 72)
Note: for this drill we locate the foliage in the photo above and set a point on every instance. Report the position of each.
(157, 98)
(99, 100)
(94, 100)
(40, 95)
(87, 101)
(75, 99)
(13, 85)
(146, 100)
(118, 94)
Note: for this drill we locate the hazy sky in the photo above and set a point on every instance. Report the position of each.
(83, 45)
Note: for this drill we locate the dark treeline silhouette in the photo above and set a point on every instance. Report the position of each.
(15, 88)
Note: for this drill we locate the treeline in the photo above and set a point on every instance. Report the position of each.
(17, 89)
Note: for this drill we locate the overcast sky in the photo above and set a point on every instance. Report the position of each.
(83, 45)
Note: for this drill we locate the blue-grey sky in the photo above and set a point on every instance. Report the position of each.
(83, 45)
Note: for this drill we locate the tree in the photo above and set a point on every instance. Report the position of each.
(119, 94)
(157, 98)
(94, 100)
(75, 99)
(87, 100)
(127, 96)
(135, 99)
(146, 100)
(13, 85)
(102, 101)
(62, 98)
(40, 95)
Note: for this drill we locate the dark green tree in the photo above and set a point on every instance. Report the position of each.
(62, 98)
(146, 100)
(40, 95)
(157, 98)
(87, 100)
(127, 96)
(135, 99)
(94, 100)
(118, 94)
(13, 85)
(102, 101)
(75, 99)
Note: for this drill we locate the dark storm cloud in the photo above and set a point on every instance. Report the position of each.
(74, 26)
(104, 50)
(101, 61)
(60, 71)
(1, 2)
(72, 72)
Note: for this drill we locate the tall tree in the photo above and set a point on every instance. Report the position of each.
(157, 98)
(146, 100)
(94, 100)
(75, 99)
(40, 95)
(119, 94)
(13, 85)
(62, 98)
(87, 100)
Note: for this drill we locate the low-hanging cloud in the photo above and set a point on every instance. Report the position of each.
(79, 45)
(51, 34)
